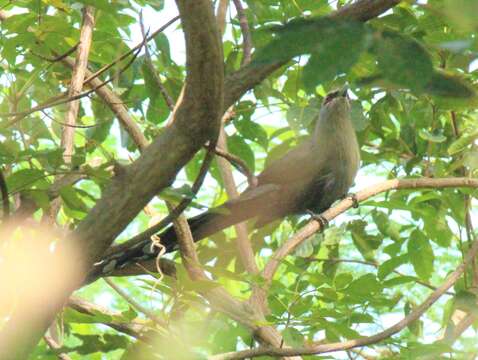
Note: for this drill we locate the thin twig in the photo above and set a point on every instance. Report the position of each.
(55, 346)
(149, 63)
(349, 344)
(239, 164)
(133, 49)
(246, 33)
(135, 329)
(376, 265)
(160, 322)
(76, 84)
(5, 200)
(59, 99)
(59, 57)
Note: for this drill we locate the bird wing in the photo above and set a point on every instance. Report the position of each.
(298, 164)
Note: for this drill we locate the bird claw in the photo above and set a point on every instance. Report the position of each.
(319, 218)
(353, 197)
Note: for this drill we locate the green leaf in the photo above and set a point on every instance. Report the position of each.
(403, 60)
(399, 280)
(391, 264)
(239, 147)
(461, 13)
(421, 254)
(162, 44)
(336, 54)
(300, 117)
(100, 131)
(70, 196)
(307, 36)
(293, 337)
(342, 280)
(359, 318)
(24, 179)
(462, 142)
(73, 316)
(60, 5)
(99, 4)
(252, 131)
(365, 285)
(451, 91)
(435, 137)
(364, 242)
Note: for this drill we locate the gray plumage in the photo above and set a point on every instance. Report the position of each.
(309, 177)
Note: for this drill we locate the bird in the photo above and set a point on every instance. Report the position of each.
(307, 179)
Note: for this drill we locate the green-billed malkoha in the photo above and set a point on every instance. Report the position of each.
(309, 178)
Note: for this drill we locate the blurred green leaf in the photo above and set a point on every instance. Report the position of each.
(421, 254)
(403, 60)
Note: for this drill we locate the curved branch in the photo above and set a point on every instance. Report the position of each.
(313, 226)
(244, 79)
(346, 345)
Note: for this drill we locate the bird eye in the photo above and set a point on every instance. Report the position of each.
(330, 96)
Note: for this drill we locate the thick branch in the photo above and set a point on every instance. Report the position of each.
(196, 120)
(218, 297)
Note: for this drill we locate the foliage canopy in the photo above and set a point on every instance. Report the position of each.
(412, 73)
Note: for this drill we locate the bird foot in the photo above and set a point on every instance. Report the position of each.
(319, 218)
(353, 197)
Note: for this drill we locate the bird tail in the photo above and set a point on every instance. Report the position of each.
(205, 224)
(251, 204)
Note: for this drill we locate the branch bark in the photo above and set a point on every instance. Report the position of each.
(218, 297)
(340, 346)
(247, 77)
(139, 331)
(196, 120)
(313, 226)
(76, 85)
(246, 34)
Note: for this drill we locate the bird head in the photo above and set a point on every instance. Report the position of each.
(336, 95)
(335, 104)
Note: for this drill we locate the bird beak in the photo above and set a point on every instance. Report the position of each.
(343, 91)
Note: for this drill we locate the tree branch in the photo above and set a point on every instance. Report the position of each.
(76, 85)
(248, 76)
(340, 346)
(246, 33)
(136, 330)
(152, 316)
(398, 184)
(218, 297)
(55, 346)
(196, 120)
(244, 247)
